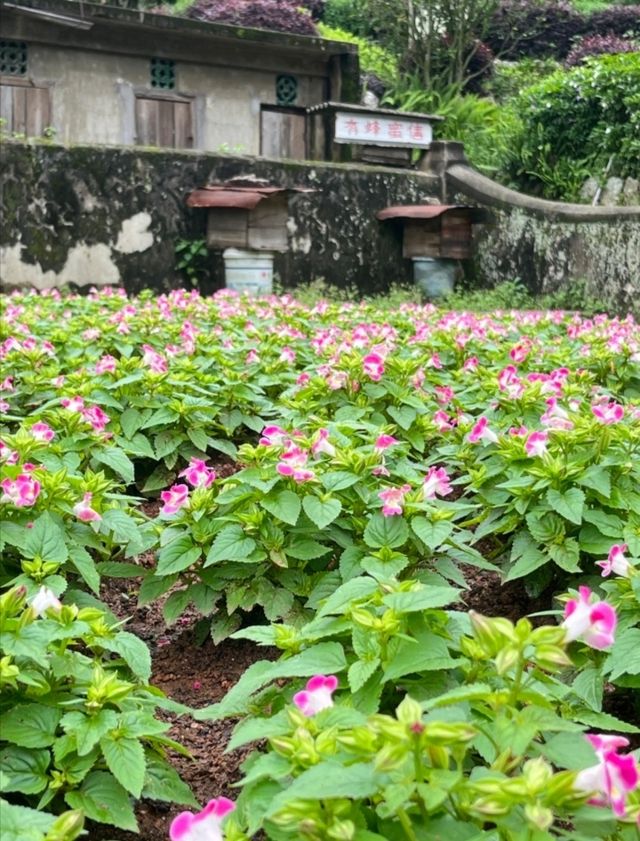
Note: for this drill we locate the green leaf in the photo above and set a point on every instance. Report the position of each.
(199, 438)
(123, 526)
(256, 729)
(598, 479)
(433, 534)
(458, 695)
(588, 686)
(133, 651)
(306, 550)
(45, 539)
(527, 556)
(428, 653)
(428, 598)
(85, 565)
(608, 524)
(118, 461)
(30, 725)
(568, 504)
(178, 555)
(625, 654)
(360, 671)
(231, 544)
(175, 605)
(338, 480)
(328, 781)
(325, 658)
(355, 588)
(222, 626)
(88, 729)
(321, 512)
(126, 761)
(382, 531)
(284, 505)
(162, 782)
(566, 555)
(24, 770)
(19, 823)
(404, 416)
(103, 799)
(131, 420)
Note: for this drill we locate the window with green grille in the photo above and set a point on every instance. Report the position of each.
(286, 89)
(13, 58)
(163, 73)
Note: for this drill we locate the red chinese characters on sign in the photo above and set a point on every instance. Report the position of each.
(352, 127)
(372, 128)
(416, 131)
(395, 130)
(382, 130)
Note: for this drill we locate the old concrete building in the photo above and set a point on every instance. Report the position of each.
(96, 74)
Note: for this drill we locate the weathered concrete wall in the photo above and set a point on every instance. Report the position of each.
(547, 256)
(93, 97)
(97, 215)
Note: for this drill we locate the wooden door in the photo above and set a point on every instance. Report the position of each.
(283, 133)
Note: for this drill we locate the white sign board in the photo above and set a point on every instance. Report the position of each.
(381, 130)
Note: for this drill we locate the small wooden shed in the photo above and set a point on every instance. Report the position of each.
(245, 217)
(436, 230)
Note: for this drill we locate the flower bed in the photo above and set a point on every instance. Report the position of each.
(377, 457)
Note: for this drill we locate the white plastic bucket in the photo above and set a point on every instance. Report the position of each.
(248, 271)
(434, 276)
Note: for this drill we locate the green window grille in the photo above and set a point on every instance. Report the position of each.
(163, 73)
(13, 58)
(286, 90)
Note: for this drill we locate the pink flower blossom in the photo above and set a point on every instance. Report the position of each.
(174, 499)
(4, 405)
(106, 364)
(44, 600)
(317, 695)
(444, 394)
(434, 361)
(154, 360)
(616, 562)
(481, 432)
(293, 461)
(436, 482)
(520, 352)
(7, 384)
(322, 444)
(393, 499)
(519, 431)
(470, 364)
(203, 826)
(42, 432)
(274, 436)
(536, 444)
(198, 474)
(8, 455)
(303, 378)
(383, 442)
(96, 417)
(555, 416)
(73, 404)
(251, 357)
(21, 491)
(593, 622)
(84, 511)
(373, 366)
(613, 777)
(608, 413)
(287, 355)
(442, 421)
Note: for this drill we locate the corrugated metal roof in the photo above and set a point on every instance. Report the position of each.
(428, 211)
(243, 198)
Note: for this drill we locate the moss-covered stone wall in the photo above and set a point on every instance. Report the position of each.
(95, 215)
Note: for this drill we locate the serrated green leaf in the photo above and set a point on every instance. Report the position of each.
(425, 599)
(86, 566)
(231, 544)
(126, 760)
(103, 799)
(432, 533)
(306, 550)
(360, 671)
(284, 505)
(391, 532)
(162, 782)
(133, 651)
(30, 725)
(46, 540)
(178, 555)
(569, 504)
(88, 729)
(321, 512)
(24, 770)
(118, 461)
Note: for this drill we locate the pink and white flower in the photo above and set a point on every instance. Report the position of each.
(96, 417)
(616, 562)
(555, 416)
(198, 474)
(373, 366)
(106, 364)
(44, 600)
(317, 694)
(442, 421)
(536, 444)
(73, 404)
(154, 360)
(614, 776)
(203, 826)
(321, 444)
(383, 442)
(21, 491)
(293, 462)
(436, 482)
(174, 499)
(42, 432)
(393, 499)
(481, 432)
(470, 364)
(608, 413)
(274, 436)
(8, 455)
(592, 622)
(84, 511)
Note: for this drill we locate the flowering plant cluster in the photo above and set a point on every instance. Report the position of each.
(78, 726)
(340, 468)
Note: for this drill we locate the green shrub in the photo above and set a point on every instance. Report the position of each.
(373, 58)
(572, 122)
(511, 77)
